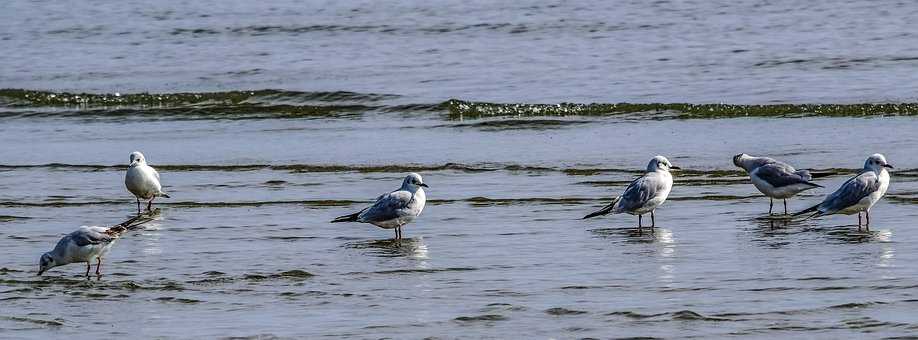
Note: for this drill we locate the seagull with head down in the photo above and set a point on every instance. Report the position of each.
(87, 244)
(775, 179)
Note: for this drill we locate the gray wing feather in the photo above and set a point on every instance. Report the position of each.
(638, 193)
(780, 175)
(851, 192)
(85, 237)
(387, 207)
(757, 162)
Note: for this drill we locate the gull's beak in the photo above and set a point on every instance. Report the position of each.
(41, 271)
(888, 166)
(675, 167)
(424, 185)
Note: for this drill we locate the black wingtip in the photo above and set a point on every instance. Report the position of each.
(346, 218)
(808, 210)
(813, 184)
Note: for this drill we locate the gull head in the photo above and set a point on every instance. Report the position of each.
(46, 262)
(137, 158)
(660, 163)
(738, 160)
(412, 182)
(876, 162)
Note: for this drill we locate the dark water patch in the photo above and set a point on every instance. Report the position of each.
(290, 238)
(178, 300)
(517, 124)
(417, 271)
(855, 305)
(687, 315)
(294, 274)
(634, 315)
(868, 322)
(40, 322)
(481, 318)
(10, 218)
(501, 307)
(560, 311)
(459, 109)
(418, 29)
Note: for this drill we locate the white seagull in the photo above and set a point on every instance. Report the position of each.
(395, 209)
(86, 244)
(143, 181)
(858, 194)
(644, 194)
(775, 179)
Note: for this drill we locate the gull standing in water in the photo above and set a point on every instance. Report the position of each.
(644, 194)
(143, 181)
(395, 209)
(775, 179)
(86, 244)
(858, 194)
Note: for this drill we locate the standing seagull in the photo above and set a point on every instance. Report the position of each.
(644, 194)
(858, 194)
(143, 181)
(86, 244)
(395, 209)
(775, 179)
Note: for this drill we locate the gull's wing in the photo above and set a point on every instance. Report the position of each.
(757, 162)
(781, 175)
(387, 207)
(639, 192)
(851, 192)
(155, 173)
(90, 235)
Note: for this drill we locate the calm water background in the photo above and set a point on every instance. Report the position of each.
(244, 248)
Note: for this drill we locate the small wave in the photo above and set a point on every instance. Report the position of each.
(560, 311)
(52, 323)
(459, 109)
(517, 124)
(481, 318)
(36, 98)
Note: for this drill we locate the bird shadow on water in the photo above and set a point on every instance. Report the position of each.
(406, 247)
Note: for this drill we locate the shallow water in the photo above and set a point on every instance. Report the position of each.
(244, 247)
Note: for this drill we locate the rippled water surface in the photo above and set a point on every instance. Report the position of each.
(469, 95)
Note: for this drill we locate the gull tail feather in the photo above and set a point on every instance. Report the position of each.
(604, 211)
(809, 210)
(813, 184)
(346, 218)
(162, 194)
(132, 223)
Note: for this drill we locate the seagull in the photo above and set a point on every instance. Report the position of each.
(858, 194)
(644, 194)
(86, 244)
(394, 209)
(143, 181)
(775, 179)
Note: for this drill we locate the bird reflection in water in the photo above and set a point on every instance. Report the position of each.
(405, 247)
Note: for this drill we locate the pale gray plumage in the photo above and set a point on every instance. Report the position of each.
(644, 194)
(395, 209)
(775, 179)
(859, 193)
(142, 180)
(86, 244)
